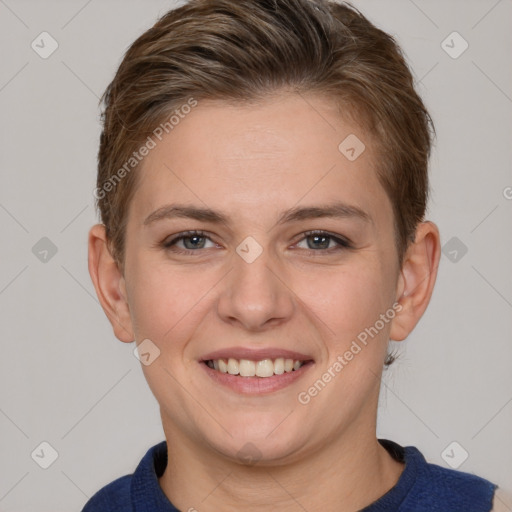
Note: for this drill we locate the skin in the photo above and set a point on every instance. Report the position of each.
(253, 162)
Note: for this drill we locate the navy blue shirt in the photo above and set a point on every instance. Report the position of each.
(422, 487)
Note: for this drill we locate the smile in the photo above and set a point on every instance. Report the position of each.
(247, 368)
(261, 371)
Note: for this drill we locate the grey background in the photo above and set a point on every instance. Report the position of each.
(66, 380)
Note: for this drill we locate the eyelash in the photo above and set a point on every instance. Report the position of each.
(343, 243)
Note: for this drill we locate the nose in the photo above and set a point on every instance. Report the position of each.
(255, 295)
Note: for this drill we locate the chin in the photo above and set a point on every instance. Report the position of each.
(255, 442)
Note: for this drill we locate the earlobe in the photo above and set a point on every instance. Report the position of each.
(417, 278)
(109, 284)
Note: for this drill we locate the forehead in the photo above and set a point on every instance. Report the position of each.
(259, 156)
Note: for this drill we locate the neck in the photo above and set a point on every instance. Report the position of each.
(350, 473)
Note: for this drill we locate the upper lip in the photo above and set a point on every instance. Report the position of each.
(255, 354)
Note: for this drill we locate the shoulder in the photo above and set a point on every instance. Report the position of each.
(438, 488)
(114, 497)
(127, 492)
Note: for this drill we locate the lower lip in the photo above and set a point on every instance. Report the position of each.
(257, 385)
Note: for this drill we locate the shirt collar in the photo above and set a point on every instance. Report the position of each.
(148, 496)
(146, 493)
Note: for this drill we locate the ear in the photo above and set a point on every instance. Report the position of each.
(109, 284)
(416, 281)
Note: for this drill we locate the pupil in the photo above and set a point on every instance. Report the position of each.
(321, 241)
(193, 242)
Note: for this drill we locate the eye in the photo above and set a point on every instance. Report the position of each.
(190, 241)
(323, 241)
(313, 241)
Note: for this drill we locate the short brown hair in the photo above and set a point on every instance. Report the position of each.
(245, 50)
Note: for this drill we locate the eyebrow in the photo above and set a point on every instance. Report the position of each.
(334, 210)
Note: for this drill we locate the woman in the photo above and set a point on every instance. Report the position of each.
(262, 186)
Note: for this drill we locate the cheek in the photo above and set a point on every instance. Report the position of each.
(166, 305)
(347, 300)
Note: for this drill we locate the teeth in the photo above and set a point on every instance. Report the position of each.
(233, 367)
(223, 366)
(279, 366)
(248, 368)
(265, 368)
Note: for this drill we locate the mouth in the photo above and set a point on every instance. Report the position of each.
(256, 372)
(263, 368)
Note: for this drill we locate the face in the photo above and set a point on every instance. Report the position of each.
(255, 245)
